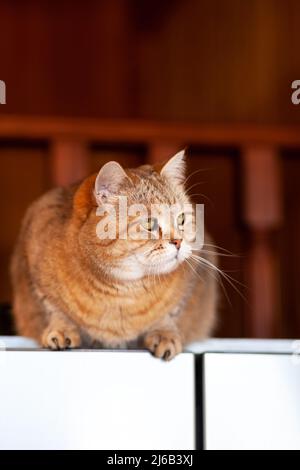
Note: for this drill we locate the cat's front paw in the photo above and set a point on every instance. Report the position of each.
(60, 339)
(163, 344)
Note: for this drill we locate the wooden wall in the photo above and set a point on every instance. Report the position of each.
(221, 61)
(208, 60)
(201, 61)
(67, 58)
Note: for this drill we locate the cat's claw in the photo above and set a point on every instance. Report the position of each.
(58, 339)
(163, 344)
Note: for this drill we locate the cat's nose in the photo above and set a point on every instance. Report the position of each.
(176, 242)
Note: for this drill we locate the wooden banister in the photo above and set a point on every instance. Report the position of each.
(263, 216)
(139, 131)
(69, 161)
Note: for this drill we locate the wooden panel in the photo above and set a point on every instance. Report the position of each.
(290, 246)
(23, 178)
(68, 58)
(220, 61)
(262, 213)
(213, 182)
(208, 61)
(69, 162)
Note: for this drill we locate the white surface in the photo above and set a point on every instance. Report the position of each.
(95, 400)
(129, 400)
(288, 346)
(252, 401)
(211, 345)
(17, 342)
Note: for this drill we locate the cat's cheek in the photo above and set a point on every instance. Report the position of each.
(182, 257)
(184, 252)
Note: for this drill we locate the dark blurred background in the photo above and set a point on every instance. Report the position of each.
(142, 78)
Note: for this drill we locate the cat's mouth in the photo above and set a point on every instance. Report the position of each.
(156, 263)
(177, 256)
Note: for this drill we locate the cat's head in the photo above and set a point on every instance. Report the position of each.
(135, 228)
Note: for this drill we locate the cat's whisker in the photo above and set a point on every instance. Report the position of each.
(204, 197)
(199, 258)
(194, 173)
(209, 252)
(193, 269)
(199, 183)
(229, 279)
(217, 247)
(211, 273)
(219, 280)
(158, 272)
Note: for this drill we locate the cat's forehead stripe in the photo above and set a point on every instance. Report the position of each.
(153, 189)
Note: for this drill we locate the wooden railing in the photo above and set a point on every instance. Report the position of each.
(257, 147)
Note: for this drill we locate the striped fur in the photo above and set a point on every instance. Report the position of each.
(67, 292)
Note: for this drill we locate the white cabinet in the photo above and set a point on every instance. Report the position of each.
(95, 400)
(223, 394)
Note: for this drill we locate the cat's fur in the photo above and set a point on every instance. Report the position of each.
(72, 289)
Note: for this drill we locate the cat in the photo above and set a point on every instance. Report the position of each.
(73, 289)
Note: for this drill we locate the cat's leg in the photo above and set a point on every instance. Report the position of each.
(36, 318)
(27, 313)
(60, 333)
(164, 339)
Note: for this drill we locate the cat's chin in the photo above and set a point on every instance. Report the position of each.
(123, 274)
(163, 268)
(137, 272)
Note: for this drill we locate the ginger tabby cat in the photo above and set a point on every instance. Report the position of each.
(73, 289)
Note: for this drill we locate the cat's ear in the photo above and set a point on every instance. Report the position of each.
(109, 179)
(175, 168)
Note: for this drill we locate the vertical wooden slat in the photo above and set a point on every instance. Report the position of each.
(263, 215)
(160, 152)
(69, 161)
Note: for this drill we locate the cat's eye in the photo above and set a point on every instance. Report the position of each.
(180, 220)
(150, 224)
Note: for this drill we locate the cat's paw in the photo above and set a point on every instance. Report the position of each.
(163, 344)
(60, 339)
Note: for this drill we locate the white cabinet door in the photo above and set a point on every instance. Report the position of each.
(251, 401)
(96, 400)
